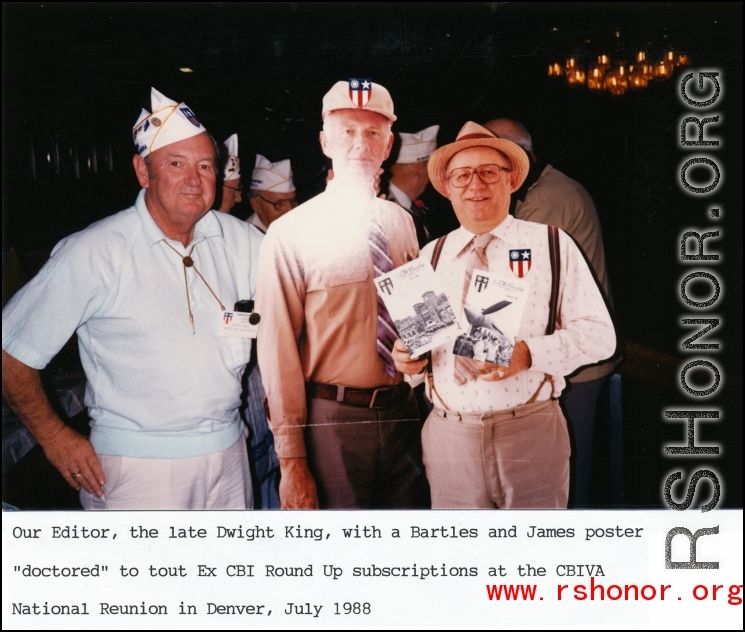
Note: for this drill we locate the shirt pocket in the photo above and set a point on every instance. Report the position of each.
(236, 352)
(349, 294)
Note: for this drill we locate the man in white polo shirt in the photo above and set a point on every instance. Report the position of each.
(147, 291)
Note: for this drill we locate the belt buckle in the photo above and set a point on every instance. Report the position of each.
(375, 394)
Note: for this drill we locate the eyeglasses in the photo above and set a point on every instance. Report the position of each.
(489, 174)
(239, 188)
(281, 206)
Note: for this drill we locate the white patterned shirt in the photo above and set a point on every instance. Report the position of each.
(584, 332)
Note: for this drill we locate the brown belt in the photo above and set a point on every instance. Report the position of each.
(361, 397)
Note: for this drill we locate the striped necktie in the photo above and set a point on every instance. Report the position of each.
(383, 263)
(464, 368)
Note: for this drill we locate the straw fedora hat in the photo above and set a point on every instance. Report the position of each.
(473, 135)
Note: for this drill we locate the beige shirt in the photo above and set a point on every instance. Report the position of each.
(584, 333)
(318, 303)
(558, 200)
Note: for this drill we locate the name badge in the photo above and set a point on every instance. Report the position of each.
(239, 325)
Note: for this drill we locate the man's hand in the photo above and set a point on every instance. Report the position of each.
(520, 361)
(376, 183)
(68, 451)
(297, 489)
(71, 453)
(404, 362)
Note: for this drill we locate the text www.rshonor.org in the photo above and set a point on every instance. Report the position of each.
(597, 591)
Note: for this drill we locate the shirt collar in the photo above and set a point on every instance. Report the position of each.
(254, 220)
(401, 197)
(506, 231)
(208, 226)
(339, 193)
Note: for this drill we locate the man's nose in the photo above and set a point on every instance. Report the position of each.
(193, 176)
(476, 182)
(361, 143)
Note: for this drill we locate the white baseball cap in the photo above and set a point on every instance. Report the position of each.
(358, 94)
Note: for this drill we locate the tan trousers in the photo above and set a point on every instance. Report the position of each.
(511, 459)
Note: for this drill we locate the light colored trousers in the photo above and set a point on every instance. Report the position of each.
(511, 459)
(221, 480)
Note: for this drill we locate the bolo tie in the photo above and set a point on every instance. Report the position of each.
(189, 263)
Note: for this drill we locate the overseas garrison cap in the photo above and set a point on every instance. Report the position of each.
(168, 123)
(359, 94)
(417, 147)
(272, 176)
(233, 163)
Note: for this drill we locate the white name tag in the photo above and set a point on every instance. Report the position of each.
(239, 325)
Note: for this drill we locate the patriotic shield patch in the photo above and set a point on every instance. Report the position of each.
(520, 262)
(189, 116)
(360, 91)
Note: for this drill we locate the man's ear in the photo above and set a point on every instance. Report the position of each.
(141, 171)
(423, 172)
(254, 202)
(446, 188)
(389, 146)
(324, 143)
(513, 180)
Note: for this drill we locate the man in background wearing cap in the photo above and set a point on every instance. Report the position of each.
(272, 192)
(147, 291)
(549, 197)
(231, 183)
(262, 457)
(345, 423)
(497, 437)
(409, 177)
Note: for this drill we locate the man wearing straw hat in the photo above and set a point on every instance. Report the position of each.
(496, 436)
(148, 291)
(345, 423)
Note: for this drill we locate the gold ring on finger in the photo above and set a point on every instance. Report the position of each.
(75, 475)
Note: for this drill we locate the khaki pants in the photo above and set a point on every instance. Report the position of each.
(511, 459)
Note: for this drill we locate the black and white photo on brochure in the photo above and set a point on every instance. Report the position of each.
(617, 123)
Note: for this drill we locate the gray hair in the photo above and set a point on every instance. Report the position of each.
(509, 129)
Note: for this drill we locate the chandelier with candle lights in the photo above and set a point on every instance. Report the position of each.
(620, 74)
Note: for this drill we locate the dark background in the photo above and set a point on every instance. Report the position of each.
(76, 76)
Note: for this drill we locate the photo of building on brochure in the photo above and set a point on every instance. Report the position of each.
(423, 315)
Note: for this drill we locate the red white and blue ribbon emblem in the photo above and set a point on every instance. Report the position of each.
(520, 262)
(360, 91)
(186, 111)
